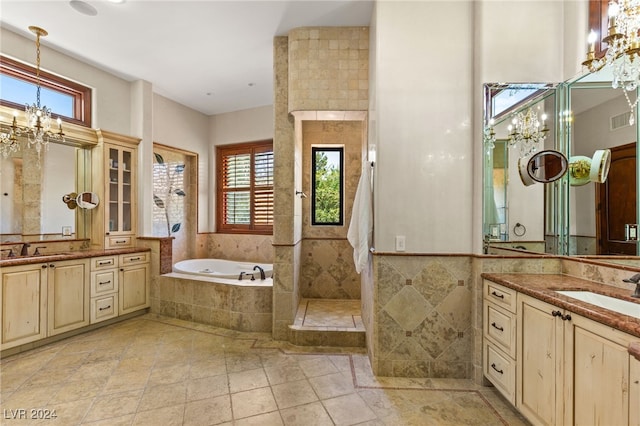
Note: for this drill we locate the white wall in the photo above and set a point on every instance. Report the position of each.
(111, 109)
(181, 127)
(431, 60)
(236, 127)
(423, 93)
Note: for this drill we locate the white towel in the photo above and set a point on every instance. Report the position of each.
(361, 225)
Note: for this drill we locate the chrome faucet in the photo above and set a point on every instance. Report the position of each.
(25, 249)
(635, 280)
(262, 276)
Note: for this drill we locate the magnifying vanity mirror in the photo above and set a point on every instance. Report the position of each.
(544, 167)
(564, 212)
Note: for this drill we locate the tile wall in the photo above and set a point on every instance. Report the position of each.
(329, 69)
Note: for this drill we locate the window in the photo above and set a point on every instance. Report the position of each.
(245, 188)
(68, 100)
(327, 181)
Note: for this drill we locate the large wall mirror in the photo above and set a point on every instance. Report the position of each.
(520, 125)
(32, 187)
(589, 123)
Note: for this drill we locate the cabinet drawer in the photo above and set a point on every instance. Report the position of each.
(104, 282)
(103, 308)
(134, 258)
(500, 295)
(500, 369)
(119, 242)
(104, 262)
(500, 326)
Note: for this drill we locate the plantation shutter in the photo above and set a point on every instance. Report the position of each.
(263, 188)
(245, 188)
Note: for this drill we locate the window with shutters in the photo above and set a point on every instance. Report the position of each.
(245, 188)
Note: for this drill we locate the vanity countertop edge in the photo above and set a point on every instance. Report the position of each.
(544, 286)
(70, 255)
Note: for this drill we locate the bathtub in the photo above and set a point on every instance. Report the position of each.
(208, 291)
(219, 268)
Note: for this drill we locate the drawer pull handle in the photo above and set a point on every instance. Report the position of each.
(106, 282)
(501, 296)
(493, 324)
(105, 262)
(105, 308)
(121, 241)
(493, 365)
(133, 259)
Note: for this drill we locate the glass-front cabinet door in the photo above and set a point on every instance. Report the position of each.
(120, 209)
(115, 225)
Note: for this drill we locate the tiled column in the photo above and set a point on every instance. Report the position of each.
(285, 243)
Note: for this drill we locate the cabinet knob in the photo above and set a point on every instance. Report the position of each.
(556, 313)
(44, 266)
(51, 265)
(566, 317)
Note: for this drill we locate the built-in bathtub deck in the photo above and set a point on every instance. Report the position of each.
(328, 322)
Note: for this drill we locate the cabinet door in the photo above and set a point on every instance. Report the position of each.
(634, 391)
(134, 288)
(68, 284)
(539, 361)
(600, 362)
(24, 305)
(120, 190)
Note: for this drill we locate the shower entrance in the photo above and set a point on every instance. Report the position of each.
(328, 291)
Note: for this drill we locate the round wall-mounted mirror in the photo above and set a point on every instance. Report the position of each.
(87, 200)
(546, 166)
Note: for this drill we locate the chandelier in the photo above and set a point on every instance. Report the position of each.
(38, 129)
(527, 131)
(623, 51)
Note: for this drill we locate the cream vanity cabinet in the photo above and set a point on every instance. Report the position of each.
(115, 172)
(104, 288)
(570, 370)
(634, 391)
(499, 343)
(24, 304)
(68, 295)
(45, 299)
(134, 293)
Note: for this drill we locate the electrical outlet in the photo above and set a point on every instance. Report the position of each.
(631, 232)
(400, 243)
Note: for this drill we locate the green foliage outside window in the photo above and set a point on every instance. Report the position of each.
(327, 186)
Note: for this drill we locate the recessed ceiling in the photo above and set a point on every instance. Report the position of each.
(212, 56)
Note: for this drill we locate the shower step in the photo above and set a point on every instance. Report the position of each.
(328, 322)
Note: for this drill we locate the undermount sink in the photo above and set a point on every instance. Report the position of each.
(617, 305)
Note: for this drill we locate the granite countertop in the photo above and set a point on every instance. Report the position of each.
(544, 286)
(69, 255)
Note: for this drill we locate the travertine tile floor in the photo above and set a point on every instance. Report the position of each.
(158, 371)
(329, 314)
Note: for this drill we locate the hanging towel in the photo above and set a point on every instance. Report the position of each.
(361, 225)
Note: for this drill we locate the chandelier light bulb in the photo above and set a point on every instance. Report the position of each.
(614, 9)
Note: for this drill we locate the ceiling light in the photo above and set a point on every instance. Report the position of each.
(38, 129)
(623, 52)
(84, 8)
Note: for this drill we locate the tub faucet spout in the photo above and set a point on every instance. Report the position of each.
(262, 277)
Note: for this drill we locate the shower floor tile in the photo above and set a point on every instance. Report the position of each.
(329, 314)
